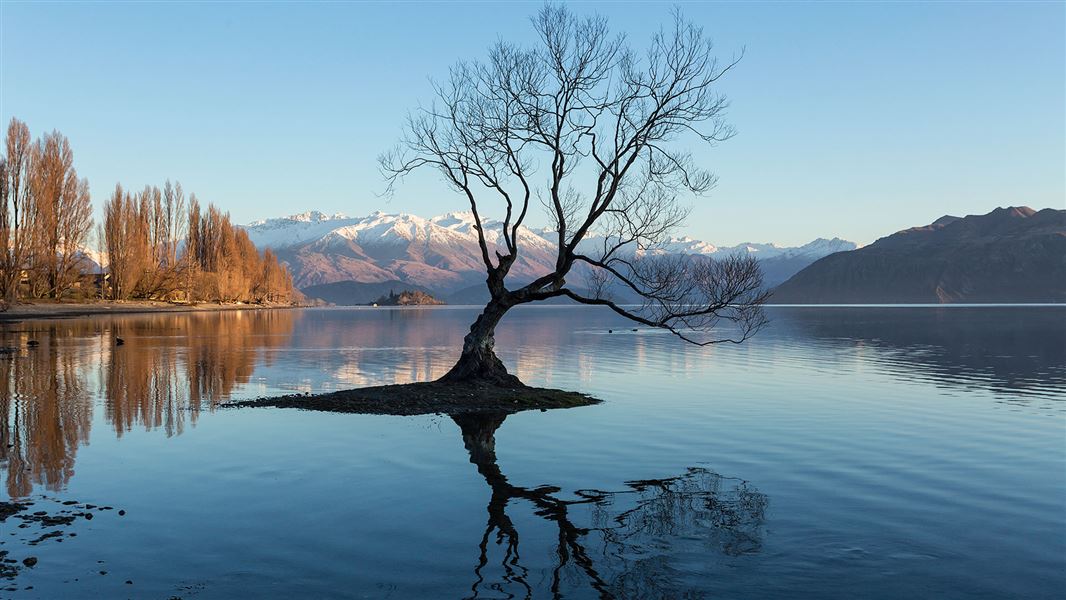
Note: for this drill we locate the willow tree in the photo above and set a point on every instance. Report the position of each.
(598, 134)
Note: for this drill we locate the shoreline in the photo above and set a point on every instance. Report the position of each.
(69, 310)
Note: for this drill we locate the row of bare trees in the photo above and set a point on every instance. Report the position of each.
(161, 247)
(155, 244)
(45, 216)
(141, 233)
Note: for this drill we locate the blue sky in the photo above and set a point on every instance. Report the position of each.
(853, 119)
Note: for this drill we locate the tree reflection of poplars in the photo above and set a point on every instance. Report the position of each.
(169, 369)
(196, 363)
(47, 413)
(620, 543)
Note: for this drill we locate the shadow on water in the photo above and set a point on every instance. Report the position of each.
(618, 543)
(174, 367)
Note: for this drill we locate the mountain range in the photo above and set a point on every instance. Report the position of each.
(1013, 254)
(334, 257)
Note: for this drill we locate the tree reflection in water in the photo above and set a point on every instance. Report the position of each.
(169, 369)
(47, 413)
(620, 543)
(191, 363)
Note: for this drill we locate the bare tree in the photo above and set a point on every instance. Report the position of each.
(62, 216)
(46, 219)
(174, 223)
(15, 208)
(125, 238)
(75, 223)
(610, 126)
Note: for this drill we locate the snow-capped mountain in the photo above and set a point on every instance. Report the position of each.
(817, 249)
(441, 253)
(377, 228)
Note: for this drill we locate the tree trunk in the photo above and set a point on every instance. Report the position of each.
(478, 361)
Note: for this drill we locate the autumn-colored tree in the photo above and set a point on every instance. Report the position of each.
(162, 224)
(192, 247)
(223, 265)
(274, 283)
(46, 217)
(15, 208)
(219, 263)
(173, 222)
(126, 240)
(61, 219)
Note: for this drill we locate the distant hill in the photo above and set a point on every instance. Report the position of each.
(441, 253)
(1011, 254)
(352, 293)
(477, 294)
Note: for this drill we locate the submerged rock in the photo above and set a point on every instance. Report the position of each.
(44, 521)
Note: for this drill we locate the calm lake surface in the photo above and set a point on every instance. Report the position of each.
(842, 453)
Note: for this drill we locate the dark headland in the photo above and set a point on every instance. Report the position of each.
(1009, 255)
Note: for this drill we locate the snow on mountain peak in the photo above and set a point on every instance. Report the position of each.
(688, 245)
(443, 250)
(314, 216)
(311, 216)
(457, 228)
(453, 219)
(381, 227)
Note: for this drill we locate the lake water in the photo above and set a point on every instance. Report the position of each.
(842, 453)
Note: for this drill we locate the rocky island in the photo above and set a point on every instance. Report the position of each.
(407, 298)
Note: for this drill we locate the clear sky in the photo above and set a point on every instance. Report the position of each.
(854, 119)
